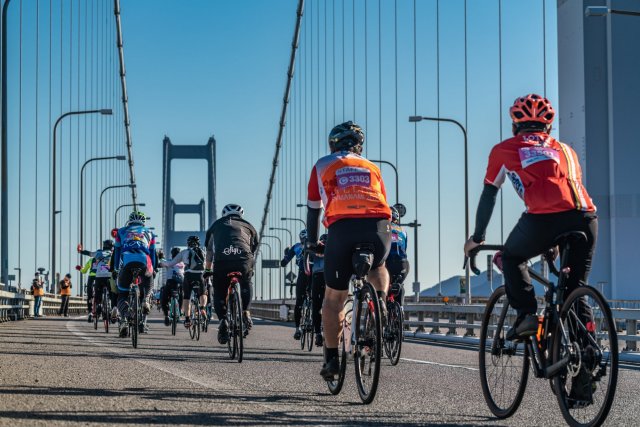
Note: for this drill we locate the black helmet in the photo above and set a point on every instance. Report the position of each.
(193, 241)
(175, 251)
(107, 244)
(345, 137)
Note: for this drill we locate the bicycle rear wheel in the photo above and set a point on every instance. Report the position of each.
(192, 329)
(585, 389)
(303, 326)
(195, 322)
(393, 334)
(106, 309)
(239, 331)
(134, 314)
(175, 313)
(96, 314)
(308, 326)
(368, 343)
(504, 365)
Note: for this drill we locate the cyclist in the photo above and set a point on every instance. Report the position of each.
(351, 190)
(303, 281)
(193, 259)
(102, 274)
(546, 174)
(135, 247)
(231, 244)
(174, 282)
(397, 262)
(318, 289)
(90, 267)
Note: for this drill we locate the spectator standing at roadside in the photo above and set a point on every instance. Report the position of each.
(65, 293)
(37, 290)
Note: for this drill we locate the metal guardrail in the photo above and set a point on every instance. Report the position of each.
(272, 309)
(20, 305)
(448, 320)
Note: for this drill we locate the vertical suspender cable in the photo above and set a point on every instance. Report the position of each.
(395, 30)
(283, 116)
(49, 223)
(37, 92)
(326, 78)
(20, 147)
(70, 131)
(500, 110)
(125, 103)
(544, 48)
(333, 62)
(415, 107)
(318, 69)
(311, 87)
(61, 134)
(344, 12)
(353, 55)
(366, 77)
(380, 79)
(438, 146)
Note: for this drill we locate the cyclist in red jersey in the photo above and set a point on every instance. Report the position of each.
(351, 191)
(546, 174)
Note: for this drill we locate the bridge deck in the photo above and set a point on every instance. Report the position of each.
(58, 371)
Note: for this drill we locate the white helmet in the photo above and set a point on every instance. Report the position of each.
(232, 209)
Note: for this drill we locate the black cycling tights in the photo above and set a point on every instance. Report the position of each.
(301, 287)
(317, 297)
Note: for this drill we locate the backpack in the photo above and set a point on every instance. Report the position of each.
(196, 259)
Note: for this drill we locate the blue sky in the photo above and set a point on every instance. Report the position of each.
(203, 68)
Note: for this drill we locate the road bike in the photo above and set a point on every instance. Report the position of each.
(392, 333)
(306, 322)
(575, 347)
(135, 320)
(235, 324)
(363, 341)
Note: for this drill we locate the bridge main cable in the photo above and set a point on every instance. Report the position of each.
(283, 115)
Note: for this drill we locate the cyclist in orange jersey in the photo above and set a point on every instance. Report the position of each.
(351, 191)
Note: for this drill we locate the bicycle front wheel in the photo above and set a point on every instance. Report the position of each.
(368, 343)
(195, 322)
(335, 385)
(106, 310)
(586, 337)
(504, 365)
(192, 328)
(175, 314)
(393, 334)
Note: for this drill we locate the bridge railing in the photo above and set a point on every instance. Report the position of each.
(21, 305)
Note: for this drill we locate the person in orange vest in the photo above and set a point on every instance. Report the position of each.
(65, 293)
(37, 290)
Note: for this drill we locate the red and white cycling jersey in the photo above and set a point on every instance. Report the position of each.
(545, 173)
(347, 186)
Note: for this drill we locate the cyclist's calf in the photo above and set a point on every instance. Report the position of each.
(333, 315)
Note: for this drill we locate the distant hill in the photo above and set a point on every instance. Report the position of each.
(480, 285)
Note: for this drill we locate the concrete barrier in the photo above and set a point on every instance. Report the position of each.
(20, 305)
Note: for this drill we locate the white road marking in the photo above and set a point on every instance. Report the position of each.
(445, 365)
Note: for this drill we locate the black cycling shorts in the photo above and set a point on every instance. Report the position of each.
(193, 281)
(343, 237)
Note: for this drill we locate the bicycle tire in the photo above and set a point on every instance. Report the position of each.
(94, 311)
(395, 322)
(239, 325)
(192, 329)
(507, 407)
(106, 310)
(308, 324)
(302, 326)
(195, 322)
(335, 386)
(595, 361)
(174, 315)
(231, 327)
(368, 344)
(134, 322)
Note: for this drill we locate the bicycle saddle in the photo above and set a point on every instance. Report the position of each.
(235, 274)
(362, 260)
(569, 237)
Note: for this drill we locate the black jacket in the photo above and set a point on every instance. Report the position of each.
(231, 238)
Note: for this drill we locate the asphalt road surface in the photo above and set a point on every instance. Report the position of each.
(59, 371)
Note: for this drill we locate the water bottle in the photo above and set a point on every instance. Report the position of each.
(346, 326)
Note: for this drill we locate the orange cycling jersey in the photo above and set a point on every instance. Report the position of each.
(545, 173)
(347, 186)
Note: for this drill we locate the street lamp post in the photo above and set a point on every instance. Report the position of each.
(290, 245)
(415, 119)
(395, 170)
(4, 212)
(262, 279)
(104, 112)
(280, 251)
(115, 215)
(102, 194)
(304, 224)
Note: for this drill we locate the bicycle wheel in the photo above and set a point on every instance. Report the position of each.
(231, 326)
(96, 313)
(302, 326)
(192, 310)
(586, 388)
(134, 314)
(368, 343)
(335, 386)
(308, 326)
(504, 365)
(195, 322)
(205, 323)
(175, 313)
(239, 331)
(393, 333)
(106, 310)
